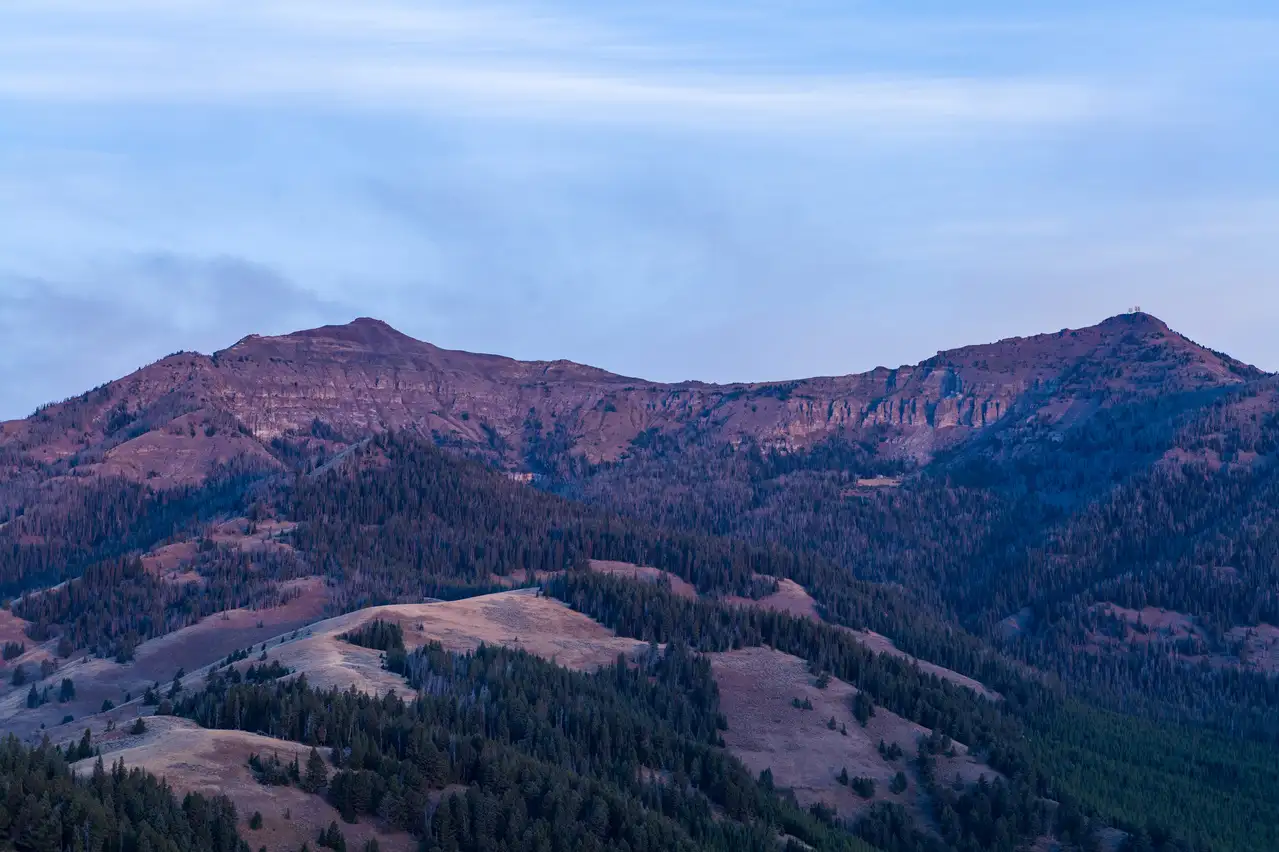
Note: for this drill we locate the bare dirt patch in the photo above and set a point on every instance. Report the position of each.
(329, 662)
(241, 530)
(173, 562)
(1130, 629)
(790, 598)
(264, 536)
(169, 558)
(865, 486)
(194, 759)
(880, 482)
(519, 619)
(1158, 623)
(13, 629)
(1260, 647)
(766, 731)
(1254, 648)
(679, 585)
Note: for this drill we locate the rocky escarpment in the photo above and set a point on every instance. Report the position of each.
(176, 418)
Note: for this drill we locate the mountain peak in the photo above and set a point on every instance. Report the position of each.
(1135, 320)
(362, 332)
(367, 330)
(371, 322)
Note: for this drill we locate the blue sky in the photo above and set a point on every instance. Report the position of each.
(716, 190)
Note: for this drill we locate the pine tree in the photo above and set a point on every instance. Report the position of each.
(863, 708)
(85, 748)
(333, 838)
(317, 775)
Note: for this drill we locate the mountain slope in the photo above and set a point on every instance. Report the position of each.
(1007, 445)
(398, 519)
(1033, 479)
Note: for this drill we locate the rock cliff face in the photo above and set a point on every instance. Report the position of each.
(175, 419)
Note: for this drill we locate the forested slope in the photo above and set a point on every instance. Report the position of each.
(1084, 522)
(626, 758)
(1024, 539)
(43, 808)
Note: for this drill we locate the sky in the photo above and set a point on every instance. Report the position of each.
(671, 189)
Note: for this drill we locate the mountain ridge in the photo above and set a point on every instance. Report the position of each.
(365, 376)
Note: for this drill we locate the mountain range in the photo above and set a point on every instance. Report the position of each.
(1030, 433)
(1078, 528)
(176, 419)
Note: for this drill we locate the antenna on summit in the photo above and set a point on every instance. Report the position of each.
(1135, 309)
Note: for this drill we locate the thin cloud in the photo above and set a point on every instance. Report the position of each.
(479, 60)
(430, 87)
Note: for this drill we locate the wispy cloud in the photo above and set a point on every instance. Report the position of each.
(489, 60)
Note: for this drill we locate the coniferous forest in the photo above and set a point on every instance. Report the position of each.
(1173, 755)
(626, 758)
(43, 808)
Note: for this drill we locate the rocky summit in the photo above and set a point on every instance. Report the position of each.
(173, 421)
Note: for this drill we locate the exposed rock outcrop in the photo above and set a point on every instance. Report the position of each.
(176, 418)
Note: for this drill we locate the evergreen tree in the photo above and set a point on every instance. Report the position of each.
(316, 777)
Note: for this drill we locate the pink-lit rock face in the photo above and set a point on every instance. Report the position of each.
(176, 419)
